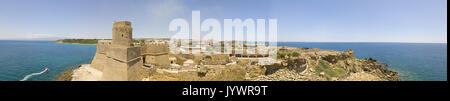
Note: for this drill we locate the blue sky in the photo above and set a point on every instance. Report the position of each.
(298, 20)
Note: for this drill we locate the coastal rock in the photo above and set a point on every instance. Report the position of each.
(86, 73)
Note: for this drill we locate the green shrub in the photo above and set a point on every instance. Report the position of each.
(330, 72)
(234, 74)
(80, 41)
(281, 55)
(294, 54)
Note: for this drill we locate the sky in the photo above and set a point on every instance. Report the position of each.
(418, 21)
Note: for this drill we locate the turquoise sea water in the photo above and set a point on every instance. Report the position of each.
(415, 61)
(20, 58)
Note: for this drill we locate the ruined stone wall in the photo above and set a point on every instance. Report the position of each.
(216, 59)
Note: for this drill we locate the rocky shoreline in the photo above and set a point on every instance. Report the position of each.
(66, 75)
(329, 65)
(83, 72)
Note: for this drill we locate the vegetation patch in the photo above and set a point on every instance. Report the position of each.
(79, 41)
(234, 74)
(329, 72)
(66, 76)
(281, 55)
(294, 54)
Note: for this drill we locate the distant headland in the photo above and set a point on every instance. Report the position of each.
(78, 41)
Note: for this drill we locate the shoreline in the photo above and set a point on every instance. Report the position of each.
(78, 41)
(75, 43)
(82, 72)
(66, 75)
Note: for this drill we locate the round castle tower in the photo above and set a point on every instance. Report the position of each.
(122, 34)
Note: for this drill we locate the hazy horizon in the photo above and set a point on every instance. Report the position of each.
(398, 21)
(278, 41)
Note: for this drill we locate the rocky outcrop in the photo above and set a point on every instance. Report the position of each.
(327, 65)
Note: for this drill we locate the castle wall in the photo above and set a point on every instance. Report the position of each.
(156, 53)
(122, 71)
(115, 70)
(118, 59)
(134, 72)
(99, 61)
(156, 48)
(157, 59)
(122, 64)
(123, 54)
(102, 46)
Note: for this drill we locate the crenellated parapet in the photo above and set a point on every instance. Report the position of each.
(103, 45)
(155, 52)
(155, 48)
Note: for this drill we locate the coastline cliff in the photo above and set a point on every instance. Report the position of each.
(326, 65)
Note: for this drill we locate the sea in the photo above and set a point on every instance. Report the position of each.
(21, 58)
(414, 61)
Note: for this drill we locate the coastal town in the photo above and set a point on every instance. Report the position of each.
(127, 59)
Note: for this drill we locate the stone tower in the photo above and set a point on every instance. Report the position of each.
(122, 34)
(123, 60)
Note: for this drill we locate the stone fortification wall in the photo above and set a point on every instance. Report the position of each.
(155, 48)
(118, 59)
(102, 46)
(99, 60)
(156, 53)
